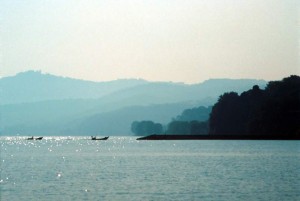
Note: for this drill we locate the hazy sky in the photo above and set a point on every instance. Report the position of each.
(166, 40)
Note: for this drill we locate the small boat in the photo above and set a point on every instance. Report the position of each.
(32, 138)
(94, 138)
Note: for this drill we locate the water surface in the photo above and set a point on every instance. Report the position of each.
(121, 168)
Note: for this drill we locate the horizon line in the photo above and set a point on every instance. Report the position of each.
(139, 79)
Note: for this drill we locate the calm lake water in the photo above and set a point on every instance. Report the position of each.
(121, 168)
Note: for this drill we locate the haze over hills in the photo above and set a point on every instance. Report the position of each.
(33, 86)
(33, 103)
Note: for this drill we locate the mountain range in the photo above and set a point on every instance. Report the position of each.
(34, 103)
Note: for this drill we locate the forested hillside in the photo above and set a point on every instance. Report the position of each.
(271, 111)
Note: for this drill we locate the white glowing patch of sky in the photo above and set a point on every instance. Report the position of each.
(166, 40)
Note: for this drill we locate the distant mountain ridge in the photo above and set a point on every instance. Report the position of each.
(33, 102)
(34, 86)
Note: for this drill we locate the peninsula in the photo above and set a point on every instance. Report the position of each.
(218, 137)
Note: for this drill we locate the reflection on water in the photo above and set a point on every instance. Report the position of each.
(121, 168)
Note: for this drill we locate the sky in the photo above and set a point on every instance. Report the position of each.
(157, 40)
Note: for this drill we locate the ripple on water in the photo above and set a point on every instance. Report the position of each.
(122, 168)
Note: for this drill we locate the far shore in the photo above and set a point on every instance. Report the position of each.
(218, 137)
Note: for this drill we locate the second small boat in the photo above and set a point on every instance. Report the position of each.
(94, 138)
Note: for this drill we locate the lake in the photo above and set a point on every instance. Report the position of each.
(122, 168)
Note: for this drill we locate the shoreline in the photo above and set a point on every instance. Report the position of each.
(217, 137)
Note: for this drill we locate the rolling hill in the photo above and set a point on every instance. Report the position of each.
(33, 103)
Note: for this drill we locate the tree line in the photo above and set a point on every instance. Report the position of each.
(274, 111)
(191, 122)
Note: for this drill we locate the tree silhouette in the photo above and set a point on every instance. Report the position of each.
(273, 111)
(146, 128)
